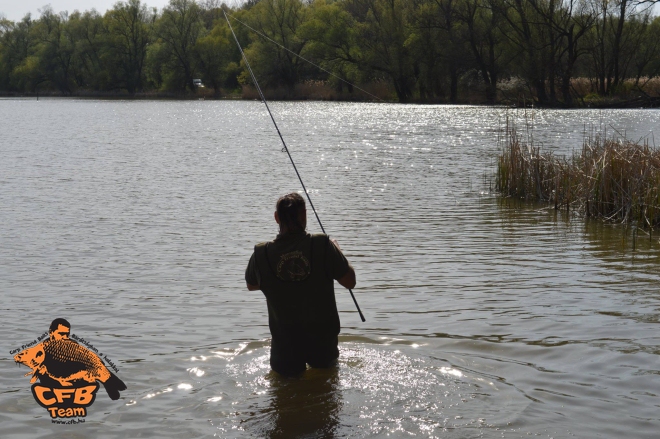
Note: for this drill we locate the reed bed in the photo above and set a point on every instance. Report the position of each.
(612, 179)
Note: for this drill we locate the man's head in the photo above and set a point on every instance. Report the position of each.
(290, 213)
(59, 329)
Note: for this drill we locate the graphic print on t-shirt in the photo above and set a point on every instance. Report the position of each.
(293, 266)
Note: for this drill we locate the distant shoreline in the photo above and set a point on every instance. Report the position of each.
(604, 103)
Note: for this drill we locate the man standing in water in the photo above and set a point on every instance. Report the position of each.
(296, 273)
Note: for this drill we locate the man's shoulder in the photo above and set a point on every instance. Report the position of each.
(319, 236)
(263, 244)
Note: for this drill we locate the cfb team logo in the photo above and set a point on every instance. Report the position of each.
(293, 267)
(68, 373)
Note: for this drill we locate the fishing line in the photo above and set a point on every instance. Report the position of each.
(299, 56)
(285, 149)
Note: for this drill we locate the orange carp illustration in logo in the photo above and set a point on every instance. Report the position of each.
(67, 372)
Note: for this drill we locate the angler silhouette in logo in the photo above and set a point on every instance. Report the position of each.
(67, 373)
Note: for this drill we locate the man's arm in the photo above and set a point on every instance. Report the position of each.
(348, 280)
(251, 275)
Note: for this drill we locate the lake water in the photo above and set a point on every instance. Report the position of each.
(485, 319)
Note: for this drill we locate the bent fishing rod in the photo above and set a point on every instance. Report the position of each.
(285, 149)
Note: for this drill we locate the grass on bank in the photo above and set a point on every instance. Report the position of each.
(614, 180)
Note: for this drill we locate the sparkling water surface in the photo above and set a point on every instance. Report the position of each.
(485, 318)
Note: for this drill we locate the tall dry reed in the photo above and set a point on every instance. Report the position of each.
(616, 180)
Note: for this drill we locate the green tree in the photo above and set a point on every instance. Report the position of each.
(618, 33)
(424, 41)
(647, 56)
(16, 45)
(572, 24)
(89, 34)
(332, 41)
(440, 21)
(563, 25)
(530, 38)
(213, 53)
(384, 39)
(211, 11)
(54, 52)
(178, 29)
(129, 34)
(485, 34)
(279, 21)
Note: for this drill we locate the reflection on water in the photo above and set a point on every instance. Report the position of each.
(620, 246)
(300, 407)
(624, 246)
(376, 390)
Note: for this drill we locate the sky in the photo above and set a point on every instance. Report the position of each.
(15, 10)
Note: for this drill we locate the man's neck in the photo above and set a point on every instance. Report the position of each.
(288, 232)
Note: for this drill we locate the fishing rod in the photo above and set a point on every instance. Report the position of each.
(285, 149)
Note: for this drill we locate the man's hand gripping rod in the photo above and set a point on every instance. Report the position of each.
(263, 99)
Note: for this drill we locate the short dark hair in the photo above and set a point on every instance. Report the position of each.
(288, 208)
(57, 322)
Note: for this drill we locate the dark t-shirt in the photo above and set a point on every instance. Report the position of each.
(336, 265)
(296, 273)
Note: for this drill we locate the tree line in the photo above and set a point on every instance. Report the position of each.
(425, 50)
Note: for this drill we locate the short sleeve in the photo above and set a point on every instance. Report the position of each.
(251, 273)
(336, 263)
